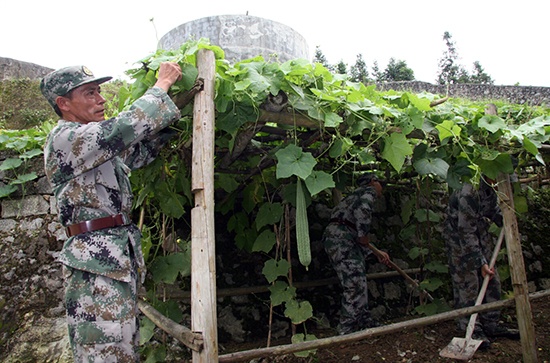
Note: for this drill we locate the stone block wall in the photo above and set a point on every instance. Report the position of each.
(32, 317)
(16, 69)
(533, 96)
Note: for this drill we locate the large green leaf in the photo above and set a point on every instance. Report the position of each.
(520, 204)
(238, 222)
(31, 154)
(273, 269)
(299, 338)
(245, 239)
(416, 252)
(319, 181)
(424, 215)
(396, 149)
(227, 182)
(332, 119)
(170, 202)
(434, 307)
(457, 171)
(253, 195)
(234, 118)
(11, 163)
(433, 166)
(298, 311)
(269, 213)
(264, 242)
(6, 190)
(436, 266)
(166, 268)
(339, 147)
(420, 103)
(23, 178)
(492, 165)
(416, 116)
(448, 129)
(431, 284)
(146, 330)
(491, 123)
(281, 292)
(293, 161)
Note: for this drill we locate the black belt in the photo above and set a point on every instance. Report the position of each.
(97, 224)
(344, 222)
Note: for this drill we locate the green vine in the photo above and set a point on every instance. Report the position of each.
(329, 130)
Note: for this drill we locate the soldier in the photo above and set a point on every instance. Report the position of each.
(347, 244)
(469, 247)
(87, 161)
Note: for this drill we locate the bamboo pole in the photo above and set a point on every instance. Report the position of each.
(248, 355)
(174, 293)
(181, 333)
(203, 263)
(517, 270)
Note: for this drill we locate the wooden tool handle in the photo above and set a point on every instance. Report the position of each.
(481, 296)
(377, 252)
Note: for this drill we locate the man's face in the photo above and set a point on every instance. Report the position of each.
(85, 105)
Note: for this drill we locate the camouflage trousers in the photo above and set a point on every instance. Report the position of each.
(348, 260)
(467, 281)
(102, 317)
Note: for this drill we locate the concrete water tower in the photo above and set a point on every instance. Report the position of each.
(241, 37)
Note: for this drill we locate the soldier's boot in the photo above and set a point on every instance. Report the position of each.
(499, 331)
(479, 334)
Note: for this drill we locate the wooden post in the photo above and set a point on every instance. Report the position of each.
(517, 270)
(203, 251)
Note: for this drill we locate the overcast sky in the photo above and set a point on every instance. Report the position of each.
(510, 39)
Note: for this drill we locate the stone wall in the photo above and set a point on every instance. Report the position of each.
(533, 96)
(32, 323)
(16, 69)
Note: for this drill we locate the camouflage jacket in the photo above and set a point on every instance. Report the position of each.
(357, 209)
(88, 167)
(469, 215)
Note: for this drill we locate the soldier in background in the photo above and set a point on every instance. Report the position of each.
(469, 245)
(347, 244)
(87, 161)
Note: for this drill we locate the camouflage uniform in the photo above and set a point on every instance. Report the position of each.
(88, 166)
(351, 219)
(469, 246)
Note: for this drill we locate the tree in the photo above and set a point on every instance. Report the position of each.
(449, 69)
(397, 70)
(341, 67)
(479, 75)
(452, 72)
(319, 57)
(358, 72)
(376, 74)
(463, 76)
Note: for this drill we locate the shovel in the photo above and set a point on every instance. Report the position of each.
(377, 253)
(464, 348)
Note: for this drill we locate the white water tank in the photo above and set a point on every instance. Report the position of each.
(241, 37)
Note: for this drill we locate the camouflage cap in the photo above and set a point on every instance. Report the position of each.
(64, 80)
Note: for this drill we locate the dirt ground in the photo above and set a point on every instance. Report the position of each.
(422, 345)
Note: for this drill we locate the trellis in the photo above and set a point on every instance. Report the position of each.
(202, 337)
